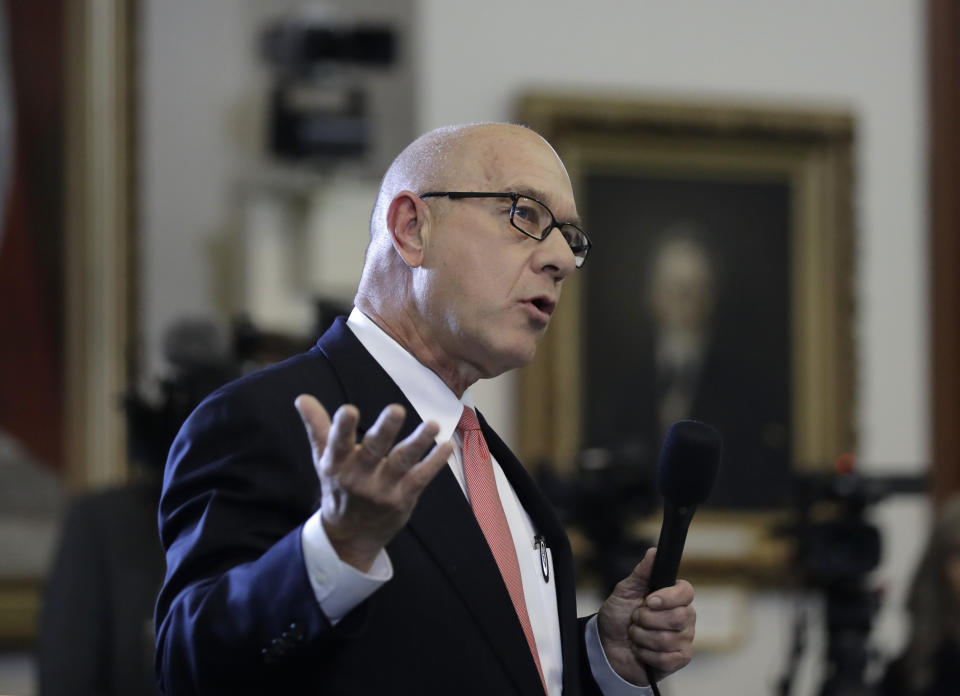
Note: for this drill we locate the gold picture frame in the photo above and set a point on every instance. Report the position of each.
(808, 155)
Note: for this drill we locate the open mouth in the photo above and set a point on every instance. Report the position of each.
(543, 304)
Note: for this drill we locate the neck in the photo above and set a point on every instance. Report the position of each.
(400, 325)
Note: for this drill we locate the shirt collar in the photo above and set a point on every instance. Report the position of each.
(426, 392)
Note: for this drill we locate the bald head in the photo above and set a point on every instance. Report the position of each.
(446, 158)
(421, 166)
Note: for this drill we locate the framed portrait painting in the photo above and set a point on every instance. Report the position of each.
(719, 289)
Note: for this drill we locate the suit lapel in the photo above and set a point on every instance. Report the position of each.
(445, 525)
(545, 522)
(442, 520)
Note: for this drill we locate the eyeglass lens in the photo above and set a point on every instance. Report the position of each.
(531, 217)
(535, 219)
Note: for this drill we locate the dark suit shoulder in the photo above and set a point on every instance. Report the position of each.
(309, 372)
(246, 442)
(255, 414)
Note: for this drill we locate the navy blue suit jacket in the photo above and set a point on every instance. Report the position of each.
(237, 613)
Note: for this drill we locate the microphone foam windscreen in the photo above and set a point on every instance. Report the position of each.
(689, 461)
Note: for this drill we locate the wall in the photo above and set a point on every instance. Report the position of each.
(196, 69)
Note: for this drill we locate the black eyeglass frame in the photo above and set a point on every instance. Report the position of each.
(580, 257)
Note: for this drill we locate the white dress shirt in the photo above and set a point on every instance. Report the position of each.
(339, 587)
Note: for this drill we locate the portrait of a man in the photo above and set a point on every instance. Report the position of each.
(699, 323)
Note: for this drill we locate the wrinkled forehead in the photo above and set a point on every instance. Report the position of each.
(510, 158)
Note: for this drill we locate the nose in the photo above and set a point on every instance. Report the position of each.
(554, 256)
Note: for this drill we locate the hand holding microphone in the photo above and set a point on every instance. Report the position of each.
(646, 638)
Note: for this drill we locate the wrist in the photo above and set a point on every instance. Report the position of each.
(356, 552)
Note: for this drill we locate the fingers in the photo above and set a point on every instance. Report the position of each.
(379, 439)
(664, 651)
(675, 620)
(645, 566)
(408, 452)
(423, 472)
(634, 587)
(664, 642)
(315, 421)
(334, 444)
(396, 461)
(661, 630)
(678, 595)
(407, 464)
(669, 609)
(341, 441)
(662, 663)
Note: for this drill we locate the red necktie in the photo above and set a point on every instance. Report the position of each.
(488, 510)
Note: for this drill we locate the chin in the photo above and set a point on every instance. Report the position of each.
(503, 350)
(516, 355)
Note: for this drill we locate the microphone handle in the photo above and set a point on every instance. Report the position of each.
(673, 534)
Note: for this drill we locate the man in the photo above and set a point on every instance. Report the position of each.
(387, 551)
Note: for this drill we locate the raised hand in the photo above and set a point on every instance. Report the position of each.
(639, 631)
(368, 488)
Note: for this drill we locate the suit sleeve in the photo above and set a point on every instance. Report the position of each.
(237, 612)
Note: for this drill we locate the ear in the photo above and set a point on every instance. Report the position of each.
(408, 219)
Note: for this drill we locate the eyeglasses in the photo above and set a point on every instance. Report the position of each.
(531, 217)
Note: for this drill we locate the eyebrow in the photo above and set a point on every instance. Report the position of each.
(542, 196)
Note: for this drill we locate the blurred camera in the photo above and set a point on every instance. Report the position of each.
(319, 102)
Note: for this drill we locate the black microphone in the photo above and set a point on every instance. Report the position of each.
(689, 460)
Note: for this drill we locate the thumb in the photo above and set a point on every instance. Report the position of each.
(636, 585)
(316, 421)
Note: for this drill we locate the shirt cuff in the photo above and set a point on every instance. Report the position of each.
(338, 586)
(610, 683)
